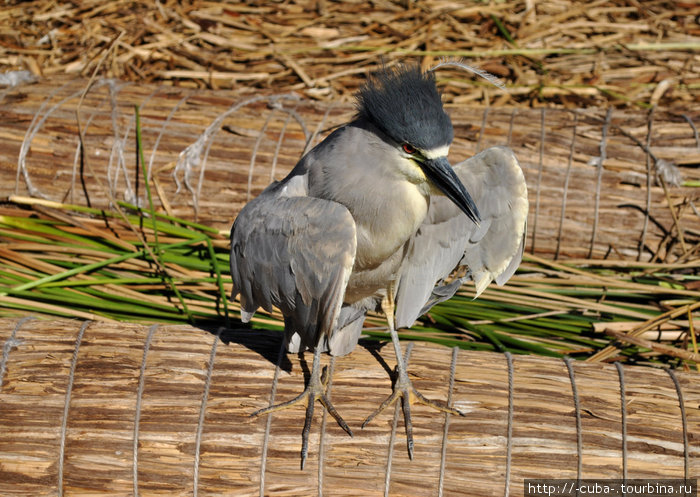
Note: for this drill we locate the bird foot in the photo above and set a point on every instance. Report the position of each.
(404, 389)
(315, 390)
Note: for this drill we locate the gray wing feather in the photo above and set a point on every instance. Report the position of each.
(344, 338)
(294, 253)
(447, 240)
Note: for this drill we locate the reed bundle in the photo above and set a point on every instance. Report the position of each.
(82, 246)
(123, 409)
(616, 184)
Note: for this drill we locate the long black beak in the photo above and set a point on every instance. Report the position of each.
(440, 172)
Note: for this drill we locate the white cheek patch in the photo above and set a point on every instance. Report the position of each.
(436, 152)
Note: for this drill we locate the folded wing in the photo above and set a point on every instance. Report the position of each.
(294, 253)
(448, 241)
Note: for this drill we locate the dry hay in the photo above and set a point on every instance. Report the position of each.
(563, 53)
(91, 408)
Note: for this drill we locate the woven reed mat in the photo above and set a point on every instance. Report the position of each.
(602, 183)
(94, 408)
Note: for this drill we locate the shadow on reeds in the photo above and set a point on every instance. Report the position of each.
(267, 344)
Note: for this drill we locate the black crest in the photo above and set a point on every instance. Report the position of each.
(405, 104)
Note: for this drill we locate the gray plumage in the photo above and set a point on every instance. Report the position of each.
(375, 218)
(296, 245)
(447, 241)
(278, 265)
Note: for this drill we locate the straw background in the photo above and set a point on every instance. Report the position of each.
(638, 59)
(602, 108)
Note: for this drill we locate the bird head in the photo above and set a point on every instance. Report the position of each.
(405, 104)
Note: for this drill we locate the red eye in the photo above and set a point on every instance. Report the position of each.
(408, 149)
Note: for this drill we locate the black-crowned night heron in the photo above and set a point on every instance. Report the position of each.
(372, 218)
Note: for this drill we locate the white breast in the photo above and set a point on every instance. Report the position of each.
(388, 200)
(385, 224)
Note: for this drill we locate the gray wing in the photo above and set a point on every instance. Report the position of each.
(294, 253)
(448, 241)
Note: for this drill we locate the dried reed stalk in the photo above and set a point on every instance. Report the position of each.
(563, 53)
(126, 409)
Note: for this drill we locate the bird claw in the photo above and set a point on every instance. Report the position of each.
(403, 388)
(315, 390)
